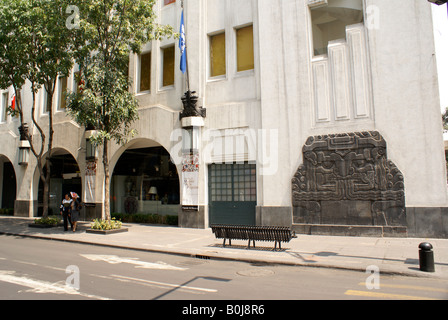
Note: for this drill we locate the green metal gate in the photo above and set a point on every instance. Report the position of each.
(232, 194)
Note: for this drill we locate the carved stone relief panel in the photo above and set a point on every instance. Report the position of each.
(346, 179)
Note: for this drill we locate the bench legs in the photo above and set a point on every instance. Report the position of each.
(279, 245)
(253, 243)
(224, 243)
(248, 243)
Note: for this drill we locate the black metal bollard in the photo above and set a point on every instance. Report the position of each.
(426, 256)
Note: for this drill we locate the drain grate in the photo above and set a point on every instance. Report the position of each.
(198, 256)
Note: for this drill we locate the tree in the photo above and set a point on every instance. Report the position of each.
(108, 32)
(445, 120)
(35, 45)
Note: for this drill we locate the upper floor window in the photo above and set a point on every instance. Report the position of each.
(62, 92)
(4, 107)
(145, 72)
(218, 55)
(245, 48)
(168, 54)
(330, 20)
(45, 100)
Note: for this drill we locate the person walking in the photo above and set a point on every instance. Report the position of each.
(75, 208)
(65, 212)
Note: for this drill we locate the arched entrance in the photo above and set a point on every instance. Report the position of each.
(65, 178)
(8, 186)
(145, 181)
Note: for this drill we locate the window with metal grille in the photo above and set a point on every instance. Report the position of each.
(233, 182)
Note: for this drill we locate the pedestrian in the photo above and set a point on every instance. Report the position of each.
(75, 208)
(65, 212)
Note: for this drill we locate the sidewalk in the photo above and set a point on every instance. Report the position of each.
(392, 255)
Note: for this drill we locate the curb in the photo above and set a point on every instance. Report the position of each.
(218, 257)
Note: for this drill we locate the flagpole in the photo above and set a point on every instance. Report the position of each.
(186, 51)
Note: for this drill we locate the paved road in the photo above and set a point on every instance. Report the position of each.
(42, 269)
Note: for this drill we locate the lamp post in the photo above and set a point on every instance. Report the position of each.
(91, 151)
(24, 146)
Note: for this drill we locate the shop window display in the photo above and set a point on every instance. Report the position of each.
(145, 181)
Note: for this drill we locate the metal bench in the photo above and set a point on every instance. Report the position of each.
(253, 233)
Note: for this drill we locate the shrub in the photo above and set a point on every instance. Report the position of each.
(50, 220)
(106, 224)
(7, 212)
(172, 220)
(146, 218)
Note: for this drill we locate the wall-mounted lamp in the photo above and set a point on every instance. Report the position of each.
(24, 152)
(191, 134)
(190, 139)
(24, 145)
(91, 151)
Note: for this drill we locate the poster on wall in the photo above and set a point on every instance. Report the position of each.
(90, 182)
(190, 182)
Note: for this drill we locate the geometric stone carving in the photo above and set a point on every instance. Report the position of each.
(346, 179)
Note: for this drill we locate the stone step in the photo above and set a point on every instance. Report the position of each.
(350, 230)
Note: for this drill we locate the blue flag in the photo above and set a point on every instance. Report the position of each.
(182, 47)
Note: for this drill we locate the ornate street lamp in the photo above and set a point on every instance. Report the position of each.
(24, 146)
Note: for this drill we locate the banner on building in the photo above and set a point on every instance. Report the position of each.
(90, 182)
(190, 182)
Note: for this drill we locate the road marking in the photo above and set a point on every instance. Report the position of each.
(38, 265)
(379, 295)
(135, 261)
(402, 286)
(164, 284)
(38, 286)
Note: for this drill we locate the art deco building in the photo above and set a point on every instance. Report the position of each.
(322, 115)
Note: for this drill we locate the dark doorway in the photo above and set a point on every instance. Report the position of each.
(65, 178)
(9, 187)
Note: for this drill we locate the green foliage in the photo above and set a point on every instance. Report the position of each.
(445, 120)
(35, 45)
(14, 39)
(147, 218)
(7, 212)
(104, 103)
(50, 220)
(109, 31)
(100, 224)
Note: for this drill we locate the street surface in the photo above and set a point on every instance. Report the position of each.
(43, 269)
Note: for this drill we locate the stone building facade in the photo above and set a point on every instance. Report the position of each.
(322, 115)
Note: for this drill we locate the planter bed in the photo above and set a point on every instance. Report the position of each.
(106, 232)
(42, 226)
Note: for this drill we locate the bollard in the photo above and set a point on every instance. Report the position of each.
(426, 256)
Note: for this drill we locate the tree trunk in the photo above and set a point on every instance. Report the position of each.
(46, 194)
(46, 182)
(106, 180)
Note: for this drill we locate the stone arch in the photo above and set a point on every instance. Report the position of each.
(66, 176)
(144, 179)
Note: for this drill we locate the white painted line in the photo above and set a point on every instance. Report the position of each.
(38, 286)
(134, 261)
(164, 284)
